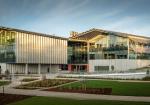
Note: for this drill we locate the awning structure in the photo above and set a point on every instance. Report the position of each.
(92, 33)
(140, 40)
(88, 36)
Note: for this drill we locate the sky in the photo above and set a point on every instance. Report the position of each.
(59, 17)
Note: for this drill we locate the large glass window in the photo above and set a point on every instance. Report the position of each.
(109, 47)
(101, 68)
(139, 48)
(7, 46)
(77, 52)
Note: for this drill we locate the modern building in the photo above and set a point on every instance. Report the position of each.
(24, 52)
(101, 50)
(96, 50)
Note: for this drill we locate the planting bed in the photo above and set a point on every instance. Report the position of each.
(28, 79)
(11, 98)
(106, 91)
(45, 83)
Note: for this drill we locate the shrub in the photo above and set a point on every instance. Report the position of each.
(147, 78)
(28, 79)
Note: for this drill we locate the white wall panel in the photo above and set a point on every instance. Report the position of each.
(119, 64)
(40, 49)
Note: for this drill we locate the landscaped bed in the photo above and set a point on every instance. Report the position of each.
(44, 83)
(147, 78)
(118, 88)
(10, 98)
(28, 79)
(4, 83)
(106, 91)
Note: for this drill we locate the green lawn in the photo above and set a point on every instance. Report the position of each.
(118, 88)
(62, 101)
(3, 83)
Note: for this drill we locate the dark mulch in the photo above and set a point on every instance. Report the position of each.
(106, 91)
(10, 98)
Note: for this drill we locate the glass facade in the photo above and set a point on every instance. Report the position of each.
(139, 48)
(77, 52)
(108, 47)
(7, 46)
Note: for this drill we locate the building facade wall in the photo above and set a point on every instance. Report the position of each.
(118, 64)
(116, 52)
(22, 51)
(32, 48)
(112, 52)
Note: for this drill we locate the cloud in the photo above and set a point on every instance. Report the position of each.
(63, 8)
(123, 22)
(62, 16)
(143, 30)
(130, 25)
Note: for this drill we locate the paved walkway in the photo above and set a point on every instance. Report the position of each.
(78, 96)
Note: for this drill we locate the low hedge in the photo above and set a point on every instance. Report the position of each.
(28, 79)
(147, 78)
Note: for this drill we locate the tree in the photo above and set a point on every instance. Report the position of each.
(147, 72)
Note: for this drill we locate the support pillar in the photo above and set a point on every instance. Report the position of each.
(13, 73)
(69, 67)
(39, 68)
(26, 69)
